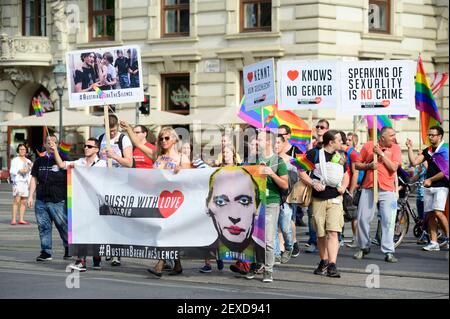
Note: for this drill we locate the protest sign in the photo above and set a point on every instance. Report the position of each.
(259, 84)
(307, 85)
(377, 87)
(156, 214)
(104, 76)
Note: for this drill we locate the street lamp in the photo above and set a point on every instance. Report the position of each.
(60, 75)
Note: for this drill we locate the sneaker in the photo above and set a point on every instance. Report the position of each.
(341, 243)
(424, 239)
(353, 244)
(312, 249)
(375, 241)
(286, 256)
(444, 243)
(79, 265)
(44, 256)
(206, 269)
(267, 276)
(255, 269)
(332, 271)
(390, 258)
(168, 265)
(66, 253)
(115, 261)
(432, 246)
(321, 268)
(278, 259)
(219, 264)
(361, 253)
(240, 267)
(295, 250)
(97, 263)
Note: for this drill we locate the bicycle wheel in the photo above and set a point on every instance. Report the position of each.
(401, 226)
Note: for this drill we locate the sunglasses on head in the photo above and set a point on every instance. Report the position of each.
(89, 146)
(321, 127)
(167, 138)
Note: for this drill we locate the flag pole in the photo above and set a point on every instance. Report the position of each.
(375, 160)
(108, 139)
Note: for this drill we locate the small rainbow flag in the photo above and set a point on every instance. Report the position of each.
(302, 163)
(300, 138)
(37, 107)
(99, 92)
(64, 149)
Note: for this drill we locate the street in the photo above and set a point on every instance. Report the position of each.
(418, 274)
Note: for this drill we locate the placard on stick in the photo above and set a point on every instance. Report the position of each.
(259, 84)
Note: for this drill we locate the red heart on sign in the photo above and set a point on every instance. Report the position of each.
(169, 202)
(385, 103)
(250, 76)
(318, 100)
(292, 74)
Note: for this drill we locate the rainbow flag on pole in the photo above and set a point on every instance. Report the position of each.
(300, 138)
(64, 149)
(302, 163)
(99, 92)
(37, 107)
(425, 103)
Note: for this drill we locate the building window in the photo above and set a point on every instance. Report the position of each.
(176, 96)
(34, 18)
(175, 18)
(256, 15)
(101, 20)
(379, 16)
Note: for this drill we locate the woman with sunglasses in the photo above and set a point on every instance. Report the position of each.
(167, 157)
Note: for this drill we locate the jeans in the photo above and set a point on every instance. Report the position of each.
(124, 81)
(272, 212)
(46, 213)
(312, 232)
(134, 81)
(284, 223)
(420, 208)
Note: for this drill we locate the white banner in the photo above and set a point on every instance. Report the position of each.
(161, 214)
(259, 84)
(377, 87)
(115, 71)
(307, 85)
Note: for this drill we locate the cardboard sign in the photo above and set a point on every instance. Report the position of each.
(104, 76)
(307, 85)
(259, 84)
(377, 87)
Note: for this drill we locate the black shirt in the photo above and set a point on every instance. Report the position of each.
(329, 192)
(86, 76)
(122, 65)
(294, 151)
(433, 169)
(51, 180)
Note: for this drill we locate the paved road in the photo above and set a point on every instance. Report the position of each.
(418, 274)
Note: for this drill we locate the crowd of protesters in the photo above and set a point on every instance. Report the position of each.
(342, 173)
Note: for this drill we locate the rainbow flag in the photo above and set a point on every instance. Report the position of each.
(37, 107)
(64, 149)
(300, 138)
(302, 163)
(273, 118)
(382, 121)
(99, 92)
(440, 157)
(425, 103)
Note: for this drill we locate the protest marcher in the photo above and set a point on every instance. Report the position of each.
(226, 140)
(435, 184)
(84, 78)
(140, 159)
(50, 184)
(389, 159)
(329, 181)
(91, 149)
(20, 173)
(419, 176)
(166, 157)
(277, 180)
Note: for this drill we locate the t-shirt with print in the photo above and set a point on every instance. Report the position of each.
(140, 159)
(279, 167)
(126, 142)
(433, 169)
(51, 180)
(329, 192)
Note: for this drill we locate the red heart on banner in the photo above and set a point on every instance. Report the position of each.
(250, 76)
(318, 99)
(293, 74)
(169, 202)
(386, 103)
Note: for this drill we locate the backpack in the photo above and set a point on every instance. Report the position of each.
(120, 144)
(349, 163)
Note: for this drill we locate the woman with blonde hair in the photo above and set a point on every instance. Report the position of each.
(167, 157)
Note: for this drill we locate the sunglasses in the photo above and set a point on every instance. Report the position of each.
(321, 127)
(167, 138)
(90, 146)
(433, 135)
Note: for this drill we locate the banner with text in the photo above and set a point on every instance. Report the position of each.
(155, 214)
(259, 84)
(106, 75)
(377, 87)
(307, 85)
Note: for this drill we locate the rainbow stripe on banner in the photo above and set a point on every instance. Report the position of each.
(37, 107)
(302, 163)
(99, 92)
(69, 204)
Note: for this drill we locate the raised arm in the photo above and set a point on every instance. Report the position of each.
(136, 142)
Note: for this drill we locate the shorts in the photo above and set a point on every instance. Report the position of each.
(328, 215)
(20, 189)
(434, 198)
